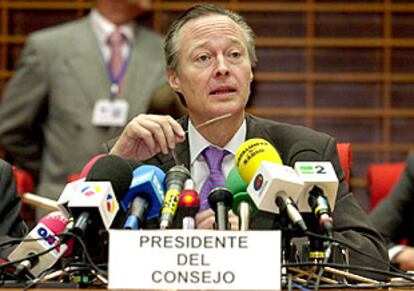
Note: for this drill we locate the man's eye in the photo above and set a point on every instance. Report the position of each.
(235, 54)
(202, 58)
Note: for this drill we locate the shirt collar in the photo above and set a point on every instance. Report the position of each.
(198, 143)
(102, 27)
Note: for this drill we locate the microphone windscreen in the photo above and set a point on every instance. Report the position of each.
(234, 182)
(112, 169)
(251, 154)
(90, 164)
(56, 221)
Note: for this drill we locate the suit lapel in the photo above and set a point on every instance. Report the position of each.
(141, 72)
(86, 63)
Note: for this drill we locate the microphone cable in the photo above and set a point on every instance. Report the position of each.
(396, 270)
(354, 267)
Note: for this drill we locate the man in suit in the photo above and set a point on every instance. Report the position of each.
(394, 218)
(51, 110)
(210, 54)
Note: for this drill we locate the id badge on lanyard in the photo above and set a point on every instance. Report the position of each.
(114, 110)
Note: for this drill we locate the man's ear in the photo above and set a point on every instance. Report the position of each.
(174, 81)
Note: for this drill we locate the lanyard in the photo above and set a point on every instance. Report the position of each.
(116, 80)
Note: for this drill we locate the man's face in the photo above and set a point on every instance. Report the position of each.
(214, 69)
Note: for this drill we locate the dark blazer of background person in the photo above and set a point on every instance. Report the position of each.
(350, 221)
(11, 225)
(394, 216)
(46, 109)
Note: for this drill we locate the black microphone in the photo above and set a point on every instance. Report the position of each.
(220, 200)
(174, 183)
(96, 204)
(320, 207)
(286, 204)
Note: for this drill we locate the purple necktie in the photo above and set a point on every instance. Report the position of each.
(214, 159)
(115, 40)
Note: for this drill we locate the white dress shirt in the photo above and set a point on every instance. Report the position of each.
(198, 166)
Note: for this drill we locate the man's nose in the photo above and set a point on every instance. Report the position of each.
(222, 67)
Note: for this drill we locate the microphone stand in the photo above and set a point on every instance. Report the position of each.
(288, 248)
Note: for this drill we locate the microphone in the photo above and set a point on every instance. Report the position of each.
(174, 182)
(321, 186)
(86, 169)
(320, 207)
(96, 202)
(243, 204)
(41, 238)
(271, 179)
(39, 201)
(145, 196)
(115, 170)
(66, 195)
(287, 205)
(220, 200)
(189, 204)
(251, 154)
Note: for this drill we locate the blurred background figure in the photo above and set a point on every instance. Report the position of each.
(394, 218)
(76, 85)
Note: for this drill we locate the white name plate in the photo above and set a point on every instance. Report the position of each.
(196, 259)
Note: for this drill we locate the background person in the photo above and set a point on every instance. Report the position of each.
(394, 218)
(53, 110)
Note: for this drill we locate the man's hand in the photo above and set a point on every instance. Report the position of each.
(147, 135)
(405, 259)
(206, 219)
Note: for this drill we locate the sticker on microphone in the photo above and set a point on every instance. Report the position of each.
(194, 260)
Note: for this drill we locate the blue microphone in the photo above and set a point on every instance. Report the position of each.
(145, 196)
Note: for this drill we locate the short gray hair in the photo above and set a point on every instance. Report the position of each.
(171, 45)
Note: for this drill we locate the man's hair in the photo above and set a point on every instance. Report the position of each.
(198, 11)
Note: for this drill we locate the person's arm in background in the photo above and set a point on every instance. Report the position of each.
(11, 224)
(22, 106)
(394, 217)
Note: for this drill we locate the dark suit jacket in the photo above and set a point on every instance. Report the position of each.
(350, 221)
(394, 216)
(10, 222)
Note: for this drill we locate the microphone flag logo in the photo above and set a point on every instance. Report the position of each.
(89, 190)
(110, 204)
(258, 182)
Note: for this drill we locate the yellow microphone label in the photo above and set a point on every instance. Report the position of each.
(171, 201)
